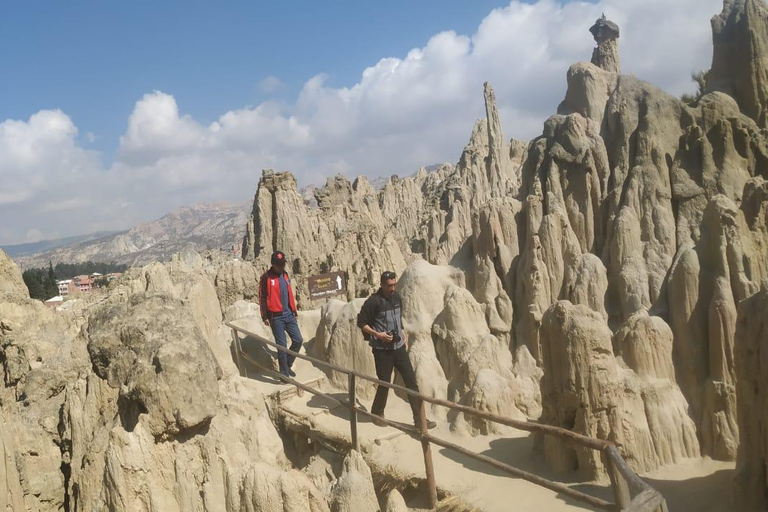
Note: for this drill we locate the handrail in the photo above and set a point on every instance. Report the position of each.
(624, 481)
(568, 435)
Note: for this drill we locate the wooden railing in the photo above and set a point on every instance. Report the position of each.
(631, 493)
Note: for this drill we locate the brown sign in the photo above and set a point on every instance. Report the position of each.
(326, 285)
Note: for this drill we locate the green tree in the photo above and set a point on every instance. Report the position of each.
(701, 82)
(33, 278)
(49, 283)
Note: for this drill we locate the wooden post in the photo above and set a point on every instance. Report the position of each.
(353, 412)
(618, 483)
(428, 466)
(236, 348)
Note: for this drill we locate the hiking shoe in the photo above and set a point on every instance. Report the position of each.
(430, 424)
(291, 373)
(379, 422)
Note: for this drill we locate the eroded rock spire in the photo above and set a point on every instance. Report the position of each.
(740, 57)
(606, 55)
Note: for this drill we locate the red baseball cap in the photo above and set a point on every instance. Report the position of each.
(278, 258)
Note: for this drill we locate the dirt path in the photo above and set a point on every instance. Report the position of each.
(700, 484)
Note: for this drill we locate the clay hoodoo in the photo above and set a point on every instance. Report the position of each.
(740, 62)
(633, 204)
(605, 277)
(606, 55)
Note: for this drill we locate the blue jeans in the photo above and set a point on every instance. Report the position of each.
(282, 323)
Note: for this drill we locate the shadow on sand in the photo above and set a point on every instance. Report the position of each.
(710, 493)
(518, 452)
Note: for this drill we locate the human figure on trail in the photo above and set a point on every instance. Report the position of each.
(381, 321)
(278, 310)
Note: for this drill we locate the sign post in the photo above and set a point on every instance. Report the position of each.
(327, 285)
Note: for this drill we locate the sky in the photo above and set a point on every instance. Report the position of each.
(115, 113)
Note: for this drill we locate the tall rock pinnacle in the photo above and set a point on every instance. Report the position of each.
(606, 55)
(499, 164)
(740, 58)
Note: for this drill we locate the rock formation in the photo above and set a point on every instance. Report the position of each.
(587, 390)
(363, 232)
(134, 412)
(646, 211)
(750, 492)
(354, 489)
(604, 277)
(606, 55)
(740, 62)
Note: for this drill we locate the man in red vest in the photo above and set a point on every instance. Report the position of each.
(278, 310)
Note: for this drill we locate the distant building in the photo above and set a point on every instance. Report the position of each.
(84, 284)
(66, 287)
(53, 302)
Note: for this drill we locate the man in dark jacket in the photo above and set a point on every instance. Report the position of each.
(381, 321)
(278, 310)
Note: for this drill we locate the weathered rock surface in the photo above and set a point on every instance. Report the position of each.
(364, 232)
(152, 352)
(740, 62)
(606, 55)
(647, 211)
(10, 277)
(354, 489)
(237, 280)
(586, 390)
(395, 502)
(610, 254)
(134, 413)
(40, 353)
(340, 342)
(750, 491)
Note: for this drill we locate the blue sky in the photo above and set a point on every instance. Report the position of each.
(95, 59)
(115, 113)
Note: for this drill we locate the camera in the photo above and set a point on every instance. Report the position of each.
(395, 336)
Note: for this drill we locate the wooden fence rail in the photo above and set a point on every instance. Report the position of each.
(631, 493)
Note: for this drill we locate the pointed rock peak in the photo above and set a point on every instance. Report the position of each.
(492, 113)
(740, 56)
(606, 55)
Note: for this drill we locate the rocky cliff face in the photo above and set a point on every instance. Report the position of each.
(740, 63)
(141, 409)
(642, 211)
(604, 277)
(750, 490)
(363, 232)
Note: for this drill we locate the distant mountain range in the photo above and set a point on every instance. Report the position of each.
(49, 245)
(203, 226)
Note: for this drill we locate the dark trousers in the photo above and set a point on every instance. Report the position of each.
(386, 361)
(286, 322)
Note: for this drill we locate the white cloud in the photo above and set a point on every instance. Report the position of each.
(270, 84)
(34, 235)
(402, 113)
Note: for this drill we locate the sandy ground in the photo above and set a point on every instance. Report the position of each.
(701, 484)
